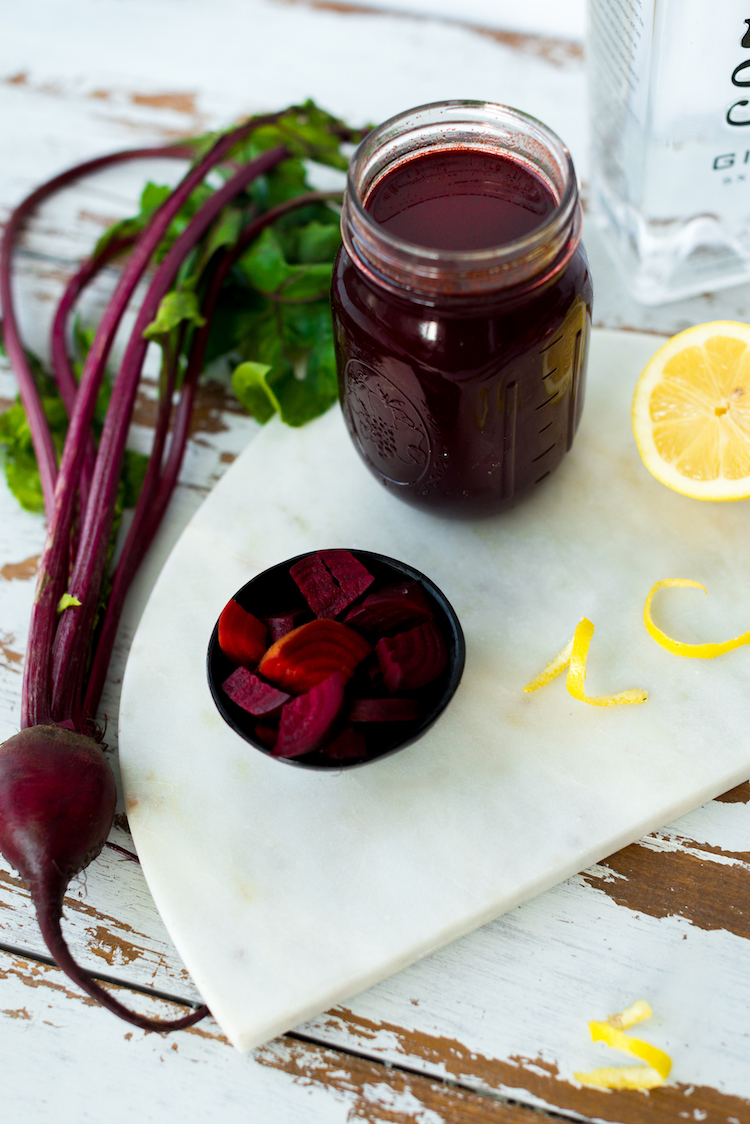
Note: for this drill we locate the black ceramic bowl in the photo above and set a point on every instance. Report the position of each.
(274, 591)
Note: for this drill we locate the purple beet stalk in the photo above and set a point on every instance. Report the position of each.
(43, 446)
(74, 632)
(52, 580)
(158, 486)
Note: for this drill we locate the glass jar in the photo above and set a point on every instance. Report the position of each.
(461, 372)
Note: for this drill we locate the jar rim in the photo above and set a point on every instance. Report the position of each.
(508, 131)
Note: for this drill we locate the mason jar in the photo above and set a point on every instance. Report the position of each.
(462, 305)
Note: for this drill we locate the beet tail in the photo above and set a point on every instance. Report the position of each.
(48, 899)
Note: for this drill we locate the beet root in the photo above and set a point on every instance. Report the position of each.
(307, 720)
(57, 804)
(330, 580)
(395, 606)
(412, 659)
(252, 694)
(242, 637)
(349, 745)
(309, 654)
(384, 710)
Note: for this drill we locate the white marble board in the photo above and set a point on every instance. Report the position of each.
(285, 891)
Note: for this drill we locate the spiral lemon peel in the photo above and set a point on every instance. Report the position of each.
(678, 647)
(612, 1032)
(573, 656)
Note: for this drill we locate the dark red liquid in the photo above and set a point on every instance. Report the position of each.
(462, 404)
(460, 199)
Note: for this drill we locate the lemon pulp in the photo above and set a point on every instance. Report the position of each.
(691, 412)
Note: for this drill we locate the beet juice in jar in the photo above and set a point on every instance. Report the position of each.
(461, 305)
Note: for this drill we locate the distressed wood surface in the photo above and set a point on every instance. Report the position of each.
(493, 1027)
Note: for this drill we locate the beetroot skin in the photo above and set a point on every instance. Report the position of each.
(307, 720)
(330, 581)
(413, 658)
(57, 803)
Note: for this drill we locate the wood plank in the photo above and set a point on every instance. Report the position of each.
(91, 1059)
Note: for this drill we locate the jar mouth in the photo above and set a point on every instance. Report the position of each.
(400, 264)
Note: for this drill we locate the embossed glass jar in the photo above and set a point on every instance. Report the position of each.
(461, 372)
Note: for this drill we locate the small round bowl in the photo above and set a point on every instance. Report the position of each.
(274, 591)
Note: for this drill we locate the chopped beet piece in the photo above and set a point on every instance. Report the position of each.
(252, 694)
(375, 676)
(242, 637)
(309, 654)
(412, 659)
(316, 584)
(347, 745)
(282, 623)
(384, 710)
(267, 733)
(393, 607)
(330, 580)
(307, 720)
(352, 576)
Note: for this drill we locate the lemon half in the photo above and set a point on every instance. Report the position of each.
(691, 412)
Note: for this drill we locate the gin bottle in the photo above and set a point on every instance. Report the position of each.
(670, 114)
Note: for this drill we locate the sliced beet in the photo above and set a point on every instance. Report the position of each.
(252, 693)
(282, 623)
(307, 720)
(315, 582)
(267, 732)
(413, 658)
(393, 607)
(309, 654)
(347, 745)
(330, 581)
(242, 637)
(384, 710)
(351, 575)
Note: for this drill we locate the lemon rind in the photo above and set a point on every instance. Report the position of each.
(721, 489)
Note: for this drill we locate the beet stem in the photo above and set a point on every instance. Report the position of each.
(36, 706)
(74, 631)
(149, 509)
(61, 365)
(40, 433)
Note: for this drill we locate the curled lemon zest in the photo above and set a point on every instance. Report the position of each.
(611, 1031)
(677, 647)
(633, 1014)
(553, 668)
(577, 673)
(573, 656)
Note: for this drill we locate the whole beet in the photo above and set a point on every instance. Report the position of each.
(57, 804)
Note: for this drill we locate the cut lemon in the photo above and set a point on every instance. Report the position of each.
(691, 412)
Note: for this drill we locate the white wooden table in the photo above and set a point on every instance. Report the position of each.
(492, 1027)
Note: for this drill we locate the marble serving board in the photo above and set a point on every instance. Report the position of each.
(286, 891)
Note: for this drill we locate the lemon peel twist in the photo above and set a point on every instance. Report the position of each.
(611, 1031)
(678, 647)
(573, 656)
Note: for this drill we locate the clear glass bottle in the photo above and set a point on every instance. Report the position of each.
(669, 84)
